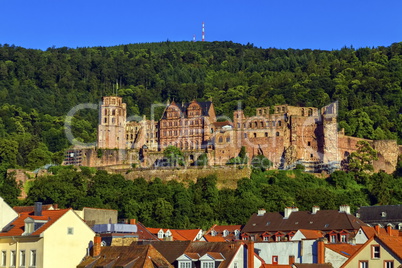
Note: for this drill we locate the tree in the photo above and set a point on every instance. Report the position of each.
(174, 156)
(261, 162)
(362, 159)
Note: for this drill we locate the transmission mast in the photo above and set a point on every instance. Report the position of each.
(203, 32)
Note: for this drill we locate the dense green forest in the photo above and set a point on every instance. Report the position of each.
(193, 205)
(38, 88)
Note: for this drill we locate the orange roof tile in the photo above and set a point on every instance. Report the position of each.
(17, 227)
(178, 234)
(211, 238)
(393, 243)
(344, 249)
(275, 266)
(311, 234)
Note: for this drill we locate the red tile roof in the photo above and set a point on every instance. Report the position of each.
(311, 234)
(17, 227)
(393, 243)
(211, 238)
(275, 266)
(177, 234)
(346, 250)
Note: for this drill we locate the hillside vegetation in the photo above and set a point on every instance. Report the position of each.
(38, 88)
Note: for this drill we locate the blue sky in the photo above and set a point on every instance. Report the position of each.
(315, 24)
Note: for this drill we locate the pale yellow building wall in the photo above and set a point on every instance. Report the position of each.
(63, 250)
(7, 214)
(22, 243)
(365, 255)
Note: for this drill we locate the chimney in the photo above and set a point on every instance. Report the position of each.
(133, 221)
(56, 206)
(250, 254)
(320, 251)
(315, 209)
(96, 250)
(291, 259)
(289, 210)
(261, 212)
(377, 228)
(38, 209)
(344, 208)
(389, 230)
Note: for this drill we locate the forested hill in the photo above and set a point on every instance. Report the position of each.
(365, 81)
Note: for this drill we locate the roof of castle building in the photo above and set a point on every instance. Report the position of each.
(381, 214)
(205, 107)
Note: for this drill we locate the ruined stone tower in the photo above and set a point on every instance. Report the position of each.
(112, 123)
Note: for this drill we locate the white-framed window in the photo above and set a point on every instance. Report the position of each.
(160, 234)
(70, 230)
(343, 238)
(235, 265)
(225, 233)
(32, 258)
(13, 258)
(363, 264)
(185, 264)
(265, 238)
(333, 238)
(22, 258)
(388, 264)
(375, 251)
(3, 258)
(208, 264)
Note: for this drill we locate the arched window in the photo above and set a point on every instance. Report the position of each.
(279, 123)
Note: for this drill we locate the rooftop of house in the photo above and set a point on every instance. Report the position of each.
(20, 209)
(344, 249)
(178, 234)
(311, 234)
(389, 213)
(293, 220)
(312, 265)
(137, 256)
(393, 243)
(221, 233)
(47, 218)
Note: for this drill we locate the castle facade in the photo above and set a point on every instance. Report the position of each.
(286, 135)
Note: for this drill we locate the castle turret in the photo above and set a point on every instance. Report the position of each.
(112, 122)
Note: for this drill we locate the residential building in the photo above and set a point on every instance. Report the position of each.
(222, 233)
(45, 238)
(7, 214)
(337, 226)
(176, 234)
(389, 215)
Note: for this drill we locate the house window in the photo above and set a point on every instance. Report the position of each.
(70, 230)
(388, 264)
(225, 233)
(363, 264)
(32, 262)
(13, 258)
(22, 258)
(185, 264)
(333, 238)
(3, 258)
(375, 252)
(160, 234)
(274, 259)
(265, 238)
(343, 238)
(208, 264)
(235, 265)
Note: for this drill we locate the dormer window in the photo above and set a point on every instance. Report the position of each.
(225, 233)
(160, 234)
(31, 225)
(214, 233)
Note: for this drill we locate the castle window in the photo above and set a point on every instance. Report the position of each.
(256, 124)
(310, 112)
(220, 139)
(279, 123)
(255, 135)
(227, 139)
(262, 124)
(267, 123)
(245, 135)
(266, 134)
(105, 120)
(238, 125)
(113, 120)
(113, 112)
(311, 156)
(277, 133)
(273, 123)
(308, 144)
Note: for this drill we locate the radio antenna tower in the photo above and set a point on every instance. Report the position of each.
(203, 32)
(194, 38)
